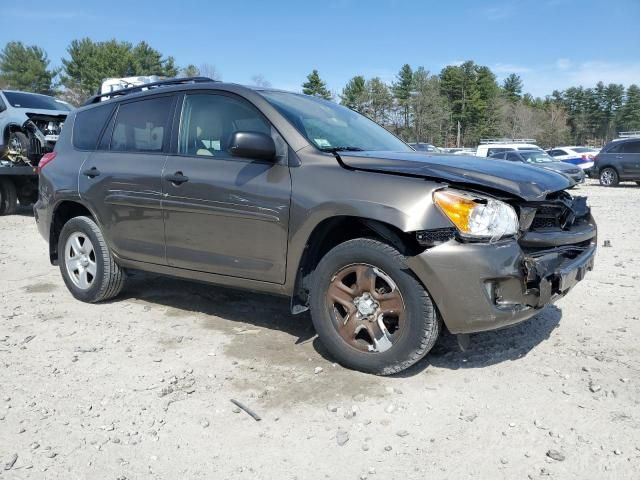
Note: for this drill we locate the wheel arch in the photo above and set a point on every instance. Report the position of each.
(64, 211)
(335, 230)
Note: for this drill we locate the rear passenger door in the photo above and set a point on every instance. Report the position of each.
(121, 180)
(225, 214)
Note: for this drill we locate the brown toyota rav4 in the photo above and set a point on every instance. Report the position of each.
(293, 195)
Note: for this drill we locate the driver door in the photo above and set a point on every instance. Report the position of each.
(225, 214)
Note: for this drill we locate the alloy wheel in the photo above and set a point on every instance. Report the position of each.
(80, 260)
(367, 308)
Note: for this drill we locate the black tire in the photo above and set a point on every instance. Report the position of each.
(421, 325)
(109, 277)
(8, 197)
(609, 177)
(22, 140)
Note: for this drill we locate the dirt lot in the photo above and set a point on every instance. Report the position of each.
(141, 387)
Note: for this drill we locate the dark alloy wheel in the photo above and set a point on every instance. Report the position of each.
(369, 310)
(366, 307)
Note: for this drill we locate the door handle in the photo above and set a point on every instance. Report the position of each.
(177, 178)
(91, 172)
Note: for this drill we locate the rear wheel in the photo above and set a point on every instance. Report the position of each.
(609, 177)
(8, 197)
(369, 310)
(86, 264)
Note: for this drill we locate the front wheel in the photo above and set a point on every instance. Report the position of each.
(369, 310)
(86, 264)
(609, 177)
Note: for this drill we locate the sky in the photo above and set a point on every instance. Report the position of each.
(551, 44)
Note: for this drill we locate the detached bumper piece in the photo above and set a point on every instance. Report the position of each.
(483, 286)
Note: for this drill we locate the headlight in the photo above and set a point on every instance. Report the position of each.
(477, 216)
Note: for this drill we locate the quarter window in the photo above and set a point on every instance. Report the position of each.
(88, 125)
(209, 121)
(141, 126)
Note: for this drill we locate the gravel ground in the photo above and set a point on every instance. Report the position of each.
(141, 387)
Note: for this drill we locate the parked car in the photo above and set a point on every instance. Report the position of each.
(489, 146)
(576, 155)
(424, 147)
(541, 159)
(619, 161)
(293, 195)
(29, 127)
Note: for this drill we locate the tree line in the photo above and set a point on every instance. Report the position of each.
(455, 107)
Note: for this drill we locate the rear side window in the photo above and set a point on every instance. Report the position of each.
(631, 147)
(491, 151)
(557, 153)
(513, 157)
(141, 126)
(88, 126)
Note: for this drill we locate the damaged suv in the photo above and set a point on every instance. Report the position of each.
(293, 195)
(30, 124)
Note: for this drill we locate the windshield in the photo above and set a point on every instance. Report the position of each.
(584, 150)
(33, 100)
(330, 126)
(537, 157)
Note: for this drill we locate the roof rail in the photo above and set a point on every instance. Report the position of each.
(484, 141)
(148, 86)
(631, 134)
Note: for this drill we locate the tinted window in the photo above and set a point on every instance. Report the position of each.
(631, 147)
(88, 126)
(2, 105)
(33, 100)
(584, 150)
(499, 156)
(209, 121)
(141, 126)
(614, 148)
(513, 157)
(557, 153)
(491, 151)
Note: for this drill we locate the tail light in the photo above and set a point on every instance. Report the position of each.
(45, 160)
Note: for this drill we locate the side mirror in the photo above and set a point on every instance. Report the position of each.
(253, 145)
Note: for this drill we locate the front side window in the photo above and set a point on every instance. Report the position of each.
(141, 126)
(631, 147)
(209, 121)
(330, 126)
(513, 157)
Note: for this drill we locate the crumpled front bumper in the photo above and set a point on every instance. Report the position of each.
(482, 286)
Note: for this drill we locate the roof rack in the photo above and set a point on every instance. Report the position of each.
(148, 86)
(484, 141)
(631, 134)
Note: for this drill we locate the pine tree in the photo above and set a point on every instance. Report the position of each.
(354, 94)
(316, 86)
(512, 87)
(630, 112)
(402, 91)
(25, 68)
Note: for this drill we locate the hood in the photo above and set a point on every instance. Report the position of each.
(29, 112)
(558, 167)
(523, 181)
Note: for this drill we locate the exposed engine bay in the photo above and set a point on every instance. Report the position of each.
(41, 132)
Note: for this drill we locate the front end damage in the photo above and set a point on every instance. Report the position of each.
(41, 131)
(483, 286)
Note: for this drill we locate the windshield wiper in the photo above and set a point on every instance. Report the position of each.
(342, 149)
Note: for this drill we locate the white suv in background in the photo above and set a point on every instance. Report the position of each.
(489, 146)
